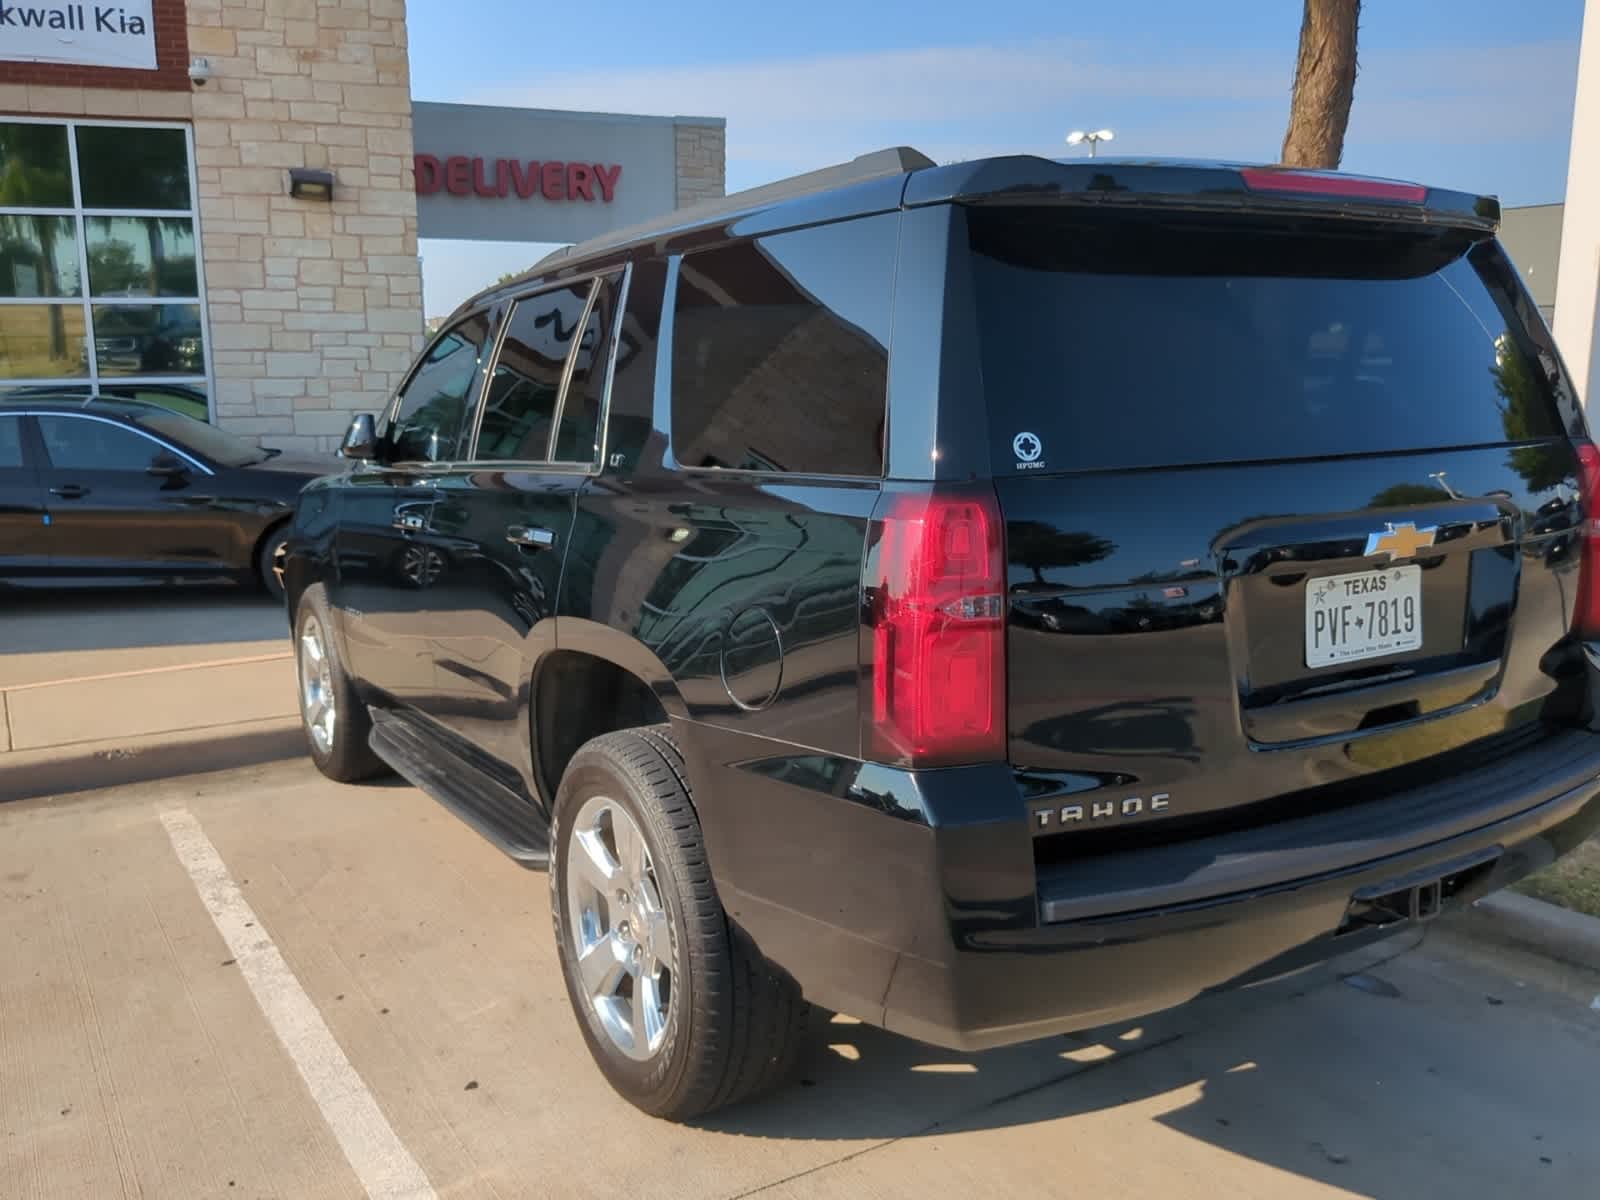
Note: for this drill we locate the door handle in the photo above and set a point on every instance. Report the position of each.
(535, 537)
(70, 491)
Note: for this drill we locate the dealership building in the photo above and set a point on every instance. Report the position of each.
(216, 203)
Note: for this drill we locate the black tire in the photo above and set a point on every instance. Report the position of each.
(736, 1024)
(266, 552)
(346, 757)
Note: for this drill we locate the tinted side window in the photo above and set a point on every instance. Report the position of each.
(780, 351)
(82, 444)
(427, 425)
(578, 439)
(630, 425)
(10, 442)
(527, 374)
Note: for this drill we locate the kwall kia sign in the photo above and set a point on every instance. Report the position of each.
(66, 31)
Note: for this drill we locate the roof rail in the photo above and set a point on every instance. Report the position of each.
(896, 160)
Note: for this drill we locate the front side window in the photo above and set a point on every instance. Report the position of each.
(521, 403)
(10, 443)
(427, 423)
(780, 351)
(86, 444)
(100, 246)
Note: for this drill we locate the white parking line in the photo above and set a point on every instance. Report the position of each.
(378, 1157)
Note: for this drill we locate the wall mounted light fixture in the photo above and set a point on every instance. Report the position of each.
(309, 183)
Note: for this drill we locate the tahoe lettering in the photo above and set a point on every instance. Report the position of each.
(1074, 814)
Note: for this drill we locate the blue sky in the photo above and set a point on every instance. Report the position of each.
(1462, 93)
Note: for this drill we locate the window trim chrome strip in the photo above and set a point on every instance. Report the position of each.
(115, 424)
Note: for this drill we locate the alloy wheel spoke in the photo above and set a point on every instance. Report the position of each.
(601, 966)
(659, 937)
(645, 1014)
(630, 848)
(593, 862)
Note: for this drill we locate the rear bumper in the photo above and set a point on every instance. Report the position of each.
(922, 916)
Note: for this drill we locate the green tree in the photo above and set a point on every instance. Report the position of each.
(1042, 547)
(35, 172)
(1403, 495)
(1524, 403)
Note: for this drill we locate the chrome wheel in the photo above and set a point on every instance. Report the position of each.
(317, 706)
(621, 936)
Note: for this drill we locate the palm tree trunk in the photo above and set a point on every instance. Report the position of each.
(1324, 84)
(44, 229)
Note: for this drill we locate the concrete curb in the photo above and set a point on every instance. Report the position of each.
(88, 766)
(135, 705)
(1555, 932)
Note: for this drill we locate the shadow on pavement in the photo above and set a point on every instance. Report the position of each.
(1368, 1088)
(123, 768)
(120, 618)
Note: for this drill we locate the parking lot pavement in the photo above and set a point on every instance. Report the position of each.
(258, 983)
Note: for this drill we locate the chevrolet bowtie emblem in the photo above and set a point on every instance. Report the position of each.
(1400, 541)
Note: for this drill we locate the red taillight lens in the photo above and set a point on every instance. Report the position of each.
(938, 629)
(1327, 183)
(1586, 613)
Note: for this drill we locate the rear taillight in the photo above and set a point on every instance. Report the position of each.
(1328, 183)
(937, 616)
(1586, 613)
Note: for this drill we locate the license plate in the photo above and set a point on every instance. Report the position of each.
(1367, 614)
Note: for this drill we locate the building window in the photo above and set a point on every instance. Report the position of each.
(100, 282)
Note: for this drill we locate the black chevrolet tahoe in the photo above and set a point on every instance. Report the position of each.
(990, 600)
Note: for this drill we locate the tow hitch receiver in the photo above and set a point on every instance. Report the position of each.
(1420, 896)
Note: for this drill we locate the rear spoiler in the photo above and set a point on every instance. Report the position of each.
(1213, 187)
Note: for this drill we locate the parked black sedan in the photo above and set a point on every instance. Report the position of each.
(103, 491)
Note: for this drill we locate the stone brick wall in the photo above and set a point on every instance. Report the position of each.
(702, 166)
(123, 104)
(315, 308)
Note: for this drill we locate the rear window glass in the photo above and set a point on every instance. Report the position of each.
(780, 351)
(1117, 341)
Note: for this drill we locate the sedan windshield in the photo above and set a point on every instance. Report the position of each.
(225, 449)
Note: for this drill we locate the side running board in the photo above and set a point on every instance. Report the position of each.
(507, 819)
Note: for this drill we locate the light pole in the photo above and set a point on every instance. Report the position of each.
(1078, 136)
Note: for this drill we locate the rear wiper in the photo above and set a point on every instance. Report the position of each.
(269, 452)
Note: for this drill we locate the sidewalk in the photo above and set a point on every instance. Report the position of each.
(84, 674)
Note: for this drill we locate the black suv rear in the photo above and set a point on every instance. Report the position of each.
(989, 600)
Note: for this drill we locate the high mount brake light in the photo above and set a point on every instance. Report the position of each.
(1326, 183)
